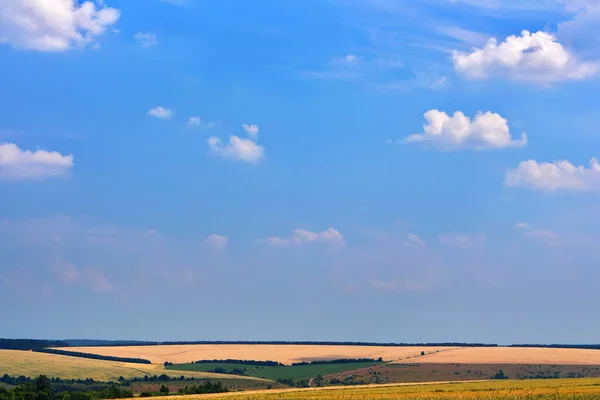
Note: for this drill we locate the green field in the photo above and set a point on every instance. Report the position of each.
(298, 372)
(555, 389)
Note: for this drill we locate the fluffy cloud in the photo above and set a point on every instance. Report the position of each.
(146, 39)
(530, 57)
(91, 277)
(552, 177)
(485, 131)
(239, 148)
(25, 164)
(251, 130)
(331, 235)
(196, 122)
(160, 112)
(217, 242)
(414, 240)
(53, 25)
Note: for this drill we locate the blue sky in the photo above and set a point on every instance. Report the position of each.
(369, 170)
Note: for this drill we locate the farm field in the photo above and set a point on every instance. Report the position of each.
(396, 373)
(32, 364)
(573, 389)
(514, 355)
(277, 372)
(287, 354)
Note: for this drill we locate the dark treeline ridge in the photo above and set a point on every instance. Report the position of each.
(339, 361)
(29, 344)
(561, 346)
(42, 389)
(93, 356)
(267, 363)
(84, 343)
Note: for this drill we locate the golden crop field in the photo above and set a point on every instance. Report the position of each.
(28, 363)
(513, 355)
(559, 389)
(286, 354)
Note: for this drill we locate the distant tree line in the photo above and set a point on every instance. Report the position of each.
(301, 383)
(206, 388)
(100, 343)
(267, 363)
(93, 356)
(29, 344)
(18, 380)
(560, 346)
(339, 361)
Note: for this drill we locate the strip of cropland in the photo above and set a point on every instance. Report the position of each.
(286, 354)
(33, 364)
(513, 355)
(559, 389)
(296, 372)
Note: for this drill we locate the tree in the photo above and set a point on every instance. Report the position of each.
(422, 353)
(319, 381)
(164, 389)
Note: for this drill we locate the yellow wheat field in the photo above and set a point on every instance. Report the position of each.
(28, 363)
(513, 355)
(555, 389)
(286, 354)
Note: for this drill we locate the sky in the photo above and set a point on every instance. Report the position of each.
(343, 170)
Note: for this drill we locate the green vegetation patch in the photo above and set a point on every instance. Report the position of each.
(296, 372)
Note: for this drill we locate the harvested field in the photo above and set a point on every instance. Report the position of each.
(513, 355)
(28, 363)
(287, 354)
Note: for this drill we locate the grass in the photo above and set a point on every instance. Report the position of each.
(31, 364)
(281, 372)
(572, 389)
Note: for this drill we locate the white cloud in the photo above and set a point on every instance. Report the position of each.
(546, 237)
(92, 277)
(530, 57)
(552, 177)
(25, 164)
(331, 235)
(53, 25)
(414, 240)
(251, 130)
(217, 242)
(456, 240)
(96, 280)
(160, 112)
(197, 122)
(485, 131)
(348, 59)
(194, 121)
(522, 225)
(237, 149)
(146, 39)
